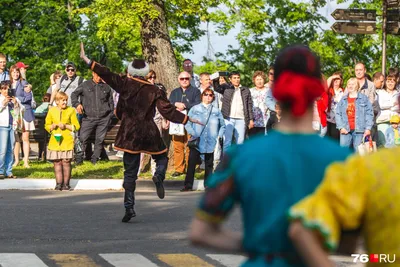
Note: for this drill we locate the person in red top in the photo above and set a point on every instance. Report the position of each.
(354, 116)
(335, 94)
(351, 112)
(322, 105)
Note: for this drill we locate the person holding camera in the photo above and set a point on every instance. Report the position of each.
(9, 108)
(237, 108)
(203, 138)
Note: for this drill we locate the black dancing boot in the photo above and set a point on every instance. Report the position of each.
(129, 213)
(129, 200)
(159, 187)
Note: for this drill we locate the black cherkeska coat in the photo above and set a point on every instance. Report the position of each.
(136, 108)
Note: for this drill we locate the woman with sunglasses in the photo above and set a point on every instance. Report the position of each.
(267, 175)
(214, 127)
(161, 122)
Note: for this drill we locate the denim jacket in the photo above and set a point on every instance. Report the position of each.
(364, 114)
(270, 101)
(389, 137)
(215, 126)
(26, 100)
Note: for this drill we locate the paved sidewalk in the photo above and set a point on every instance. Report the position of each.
(89, 184)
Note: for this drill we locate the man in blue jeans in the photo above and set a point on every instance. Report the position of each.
(237, 109)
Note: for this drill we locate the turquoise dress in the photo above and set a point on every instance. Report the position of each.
(266, 176)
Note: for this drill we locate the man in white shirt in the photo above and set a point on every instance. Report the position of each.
(237, 109)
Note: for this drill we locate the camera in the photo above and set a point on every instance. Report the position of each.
(11, 92)
(217, 74)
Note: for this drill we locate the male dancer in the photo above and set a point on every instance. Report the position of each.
(138, 133)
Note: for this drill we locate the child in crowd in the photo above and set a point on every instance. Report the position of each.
(61, 123)
(392, 133)
(274, 118)
(44, 107)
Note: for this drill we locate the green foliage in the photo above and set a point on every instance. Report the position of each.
(42, 34)
(341, 51)
(211, 67)
(266, 27)
(46, 34)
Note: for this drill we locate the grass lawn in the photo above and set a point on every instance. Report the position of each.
(102, 170)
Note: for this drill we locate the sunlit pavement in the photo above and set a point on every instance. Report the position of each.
(83, 228)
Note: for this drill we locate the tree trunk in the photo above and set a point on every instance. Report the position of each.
(157, 48)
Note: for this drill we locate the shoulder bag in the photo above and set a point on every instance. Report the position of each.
(195, 142)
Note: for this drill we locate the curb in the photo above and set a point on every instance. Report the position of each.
(89, 184)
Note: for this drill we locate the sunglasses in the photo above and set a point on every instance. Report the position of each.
(208, 94)
(152, 77)
(71, 70)
(187, 65)
(184, 79)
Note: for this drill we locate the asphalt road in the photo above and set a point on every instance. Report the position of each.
(83, 228)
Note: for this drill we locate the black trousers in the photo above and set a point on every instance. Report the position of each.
(99, 125)
(131, 168)
(194, 157)
(256, 130)
(333, 132)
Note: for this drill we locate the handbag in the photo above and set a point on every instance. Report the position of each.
(366, 148)
(195, 142)
(78, 145)
(177, 128)
(18, 122)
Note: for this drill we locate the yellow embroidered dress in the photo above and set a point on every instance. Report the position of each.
(362, 192)
(65, 148)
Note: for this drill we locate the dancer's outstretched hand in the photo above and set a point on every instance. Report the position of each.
(196, 121)
(83, 56)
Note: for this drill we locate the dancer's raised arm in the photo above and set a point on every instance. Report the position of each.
(112, 79)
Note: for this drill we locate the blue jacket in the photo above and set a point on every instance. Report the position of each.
(5, 76)
(389, 137)
(270, 101)
(215, 127)
(26, 100)
(364, 114)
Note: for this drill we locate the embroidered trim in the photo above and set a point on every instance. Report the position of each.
(204, 216)
(330, 244)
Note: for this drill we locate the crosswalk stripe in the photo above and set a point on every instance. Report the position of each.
(227, 260)
(20, 260)
(72, 260)
(340, 260)
(127, 260)
(183, 260)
